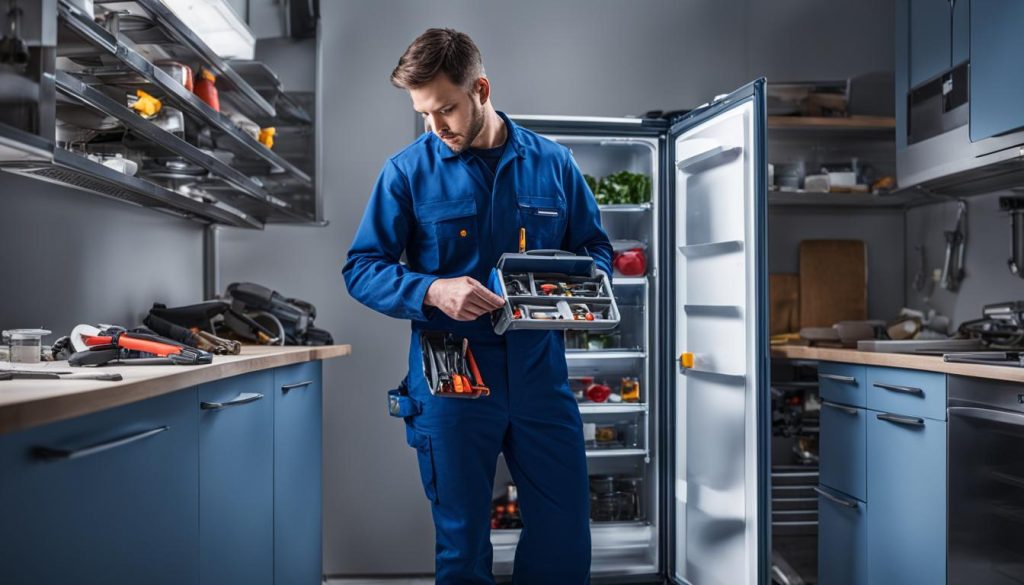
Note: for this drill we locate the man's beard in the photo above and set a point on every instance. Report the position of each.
(476, 126)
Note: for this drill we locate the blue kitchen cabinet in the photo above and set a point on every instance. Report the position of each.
(842, 383)
(843, 444)
(298, 432)
(906, 524)
(996, 79)
(842, 539)
(930, 39)
(236, 480)
(911, 392)
(104, 498)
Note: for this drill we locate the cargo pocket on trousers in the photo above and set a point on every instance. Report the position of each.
(425, 458)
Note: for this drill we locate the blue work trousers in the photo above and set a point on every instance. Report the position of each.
(532, 417)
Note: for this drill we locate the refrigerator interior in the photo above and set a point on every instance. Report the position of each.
(620, 428)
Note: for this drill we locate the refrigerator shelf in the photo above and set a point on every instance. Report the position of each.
(604, 408)
(625, 207)
(711, 248)
(629, 280)
(604, 453)
(582, 354)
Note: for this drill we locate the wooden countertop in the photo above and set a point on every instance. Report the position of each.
(897, 360)
(29, 403)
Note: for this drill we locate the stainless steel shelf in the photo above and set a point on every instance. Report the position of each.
(193, 47)
(73, 170)
(265, 204)
(185, 100)
(605, 408)
(19, 146)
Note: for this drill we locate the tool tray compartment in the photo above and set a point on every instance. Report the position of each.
(551, 289)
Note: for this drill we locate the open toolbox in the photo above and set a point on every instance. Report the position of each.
(449, 366)
(552, 289)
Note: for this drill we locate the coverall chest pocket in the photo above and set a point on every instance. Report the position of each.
(544, 218)
(451, 229)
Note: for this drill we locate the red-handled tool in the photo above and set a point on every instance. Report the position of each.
(477, 377)
(133, 343)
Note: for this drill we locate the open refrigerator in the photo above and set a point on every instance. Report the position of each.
(679, 472)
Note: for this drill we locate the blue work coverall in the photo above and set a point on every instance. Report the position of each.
(452, 218)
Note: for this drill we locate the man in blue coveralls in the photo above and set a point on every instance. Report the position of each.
(454, 201)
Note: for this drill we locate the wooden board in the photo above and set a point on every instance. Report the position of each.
(833, 282)
(784, 303)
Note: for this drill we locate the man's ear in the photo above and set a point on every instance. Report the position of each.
(482, 87)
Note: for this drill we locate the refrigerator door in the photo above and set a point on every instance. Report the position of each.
(718, 403)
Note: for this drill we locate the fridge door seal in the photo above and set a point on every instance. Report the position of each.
(717, 483)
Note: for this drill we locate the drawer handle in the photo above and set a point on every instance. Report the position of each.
(841, 379)
(902, 420)
(903, 389)
(287, 387)
(846, 409)
(243, 398)
(51, 454)
(835, 499)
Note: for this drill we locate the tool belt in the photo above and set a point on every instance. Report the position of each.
(449, 366)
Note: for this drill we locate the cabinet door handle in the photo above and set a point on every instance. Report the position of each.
(841, 379)
(287, 387)
(903, 389)
(846, 409)
(902, 420)
(50, 453)
(243, 398)
(835, 499)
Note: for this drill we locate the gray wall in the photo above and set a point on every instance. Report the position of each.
(71, 257)
(987, 280)
(581, 57)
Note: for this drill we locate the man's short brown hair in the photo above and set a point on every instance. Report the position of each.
(439, 50)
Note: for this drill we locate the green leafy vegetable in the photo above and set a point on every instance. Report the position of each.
(619, 188)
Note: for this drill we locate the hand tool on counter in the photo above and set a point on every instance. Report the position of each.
(40, 375)
(115, 343)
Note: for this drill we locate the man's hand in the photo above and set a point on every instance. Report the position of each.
(462, 299)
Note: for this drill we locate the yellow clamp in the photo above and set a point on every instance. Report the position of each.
(267, 136)
(147, 106)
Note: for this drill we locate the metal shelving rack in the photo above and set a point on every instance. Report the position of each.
(93, 64)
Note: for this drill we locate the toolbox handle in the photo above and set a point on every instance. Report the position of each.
(548, 252)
